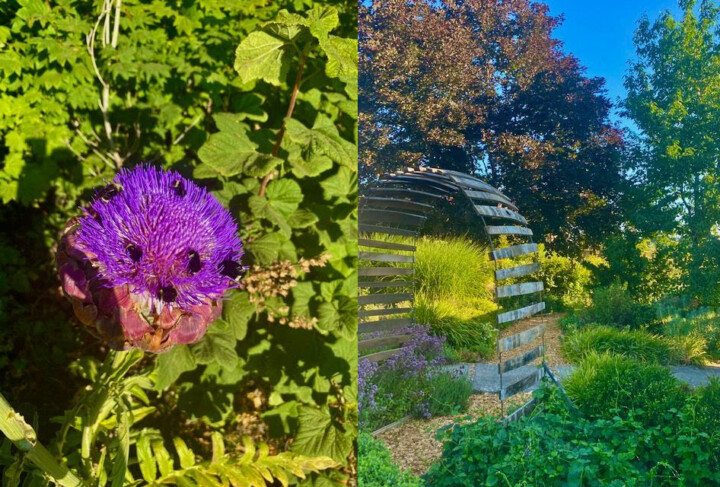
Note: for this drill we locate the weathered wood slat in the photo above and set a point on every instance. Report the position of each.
(385, 354)
(377, 257)
(394, 340)
(522, 411)
(384, 271)
(524, 359)
(422, 181)
(410, 193)
(520, 339)
(495, 212)
(378, 244)
(368, 229)
(518, 271)
(365, 313)
(384, 325)
(394, 203)
(390, 216)
(485, 196)
(518, 314)
(514, 251)
(384, 298)
(507, 230)
(518, 289)
(471, 182)
(375, 284)
(522, 384)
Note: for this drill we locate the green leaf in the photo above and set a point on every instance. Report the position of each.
(284, 195)
(266, 248)
(342, 56)
(320, 435)
(338, 316)
(187, 457)
(237, 311)
(262, 56)
(231, 152)
(249, 106)
(146, 459)
(218, 345)
(340, 185)
(302, 293)
(172, 364)
(322, 140)
(302, 218)
(261, 208)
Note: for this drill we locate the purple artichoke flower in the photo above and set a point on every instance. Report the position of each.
(149, 262)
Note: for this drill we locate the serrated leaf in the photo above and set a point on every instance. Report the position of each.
(237, 311)
(265, 249)
(319, 435)
(187, 457)
(284, 195)
(218, 345)
(228, 153)
(322, 140)
(261, 208)
(315, 165)
(302, 218)
(338, 316)
(339, 185)
(249, 107)
(262, 56)
(172, 364)
(342, 56)
(146, 459)
(302, 293)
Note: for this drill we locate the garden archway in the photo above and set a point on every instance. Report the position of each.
(399, 205)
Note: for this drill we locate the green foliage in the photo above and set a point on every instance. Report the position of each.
(605, 385)
(684, 324)
(188, 87)
(614, 306)
(557, 447)
(567, 279)
(636, 344)
(376, 468)
(449, 393)
(673, 100)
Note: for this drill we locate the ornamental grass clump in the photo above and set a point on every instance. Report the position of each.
(148, 263)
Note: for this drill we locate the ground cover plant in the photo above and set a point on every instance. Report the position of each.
(411, 382)
(376, 468)
(253, 102)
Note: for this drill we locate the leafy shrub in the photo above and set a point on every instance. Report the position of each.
(557, 447)
(605, 385)
(567, 280)
(690, 349)
(614, 306)
(376, 467)
(636, 344)
(448, 393)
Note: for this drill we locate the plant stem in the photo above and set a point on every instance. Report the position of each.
(291, 108)
(23, 436)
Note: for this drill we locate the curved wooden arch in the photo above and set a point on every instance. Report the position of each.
(399, 206)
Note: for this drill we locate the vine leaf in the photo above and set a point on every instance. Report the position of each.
(320, 435)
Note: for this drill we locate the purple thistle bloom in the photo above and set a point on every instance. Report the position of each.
(150, 261)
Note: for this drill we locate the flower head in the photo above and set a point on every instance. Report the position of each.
(150, 260)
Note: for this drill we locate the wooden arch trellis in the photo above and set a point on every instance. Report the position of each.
(398, 206)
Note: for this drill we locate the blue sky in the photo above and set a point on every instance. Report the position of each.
(600, 34)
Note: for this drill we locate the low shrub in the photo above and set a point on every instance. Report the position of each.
(615, 306)
(567, 280)
(376, 467)
(404, 384)
(448, 393)
(556, 447)
(605, 385)
(690, 349)
(637, 344)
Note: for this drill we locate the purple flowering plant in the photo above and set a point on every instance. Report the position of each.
(149, 262)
